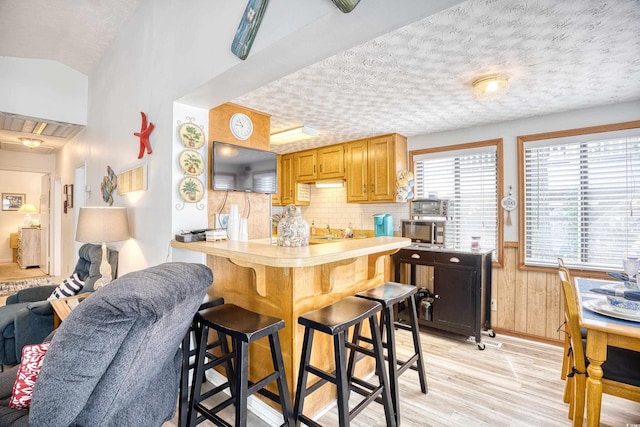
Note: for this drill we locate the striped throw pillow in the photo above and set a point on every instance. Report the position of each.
(68, 288)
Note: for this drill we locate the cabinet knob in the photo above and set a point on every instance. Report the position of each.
(436, 296)
(454, 259)
(415, 256)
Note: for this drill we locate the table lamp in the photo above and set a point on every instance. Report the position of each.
(102, 225)
(27, 210)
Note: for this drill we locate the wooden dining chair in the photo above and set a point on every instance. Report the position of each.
(618, 360)
(567, 344)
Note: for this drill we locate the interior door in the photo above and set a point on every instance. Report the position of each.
(45, 206)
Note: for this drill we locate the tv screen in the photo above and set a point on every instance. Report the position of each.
(236, 168)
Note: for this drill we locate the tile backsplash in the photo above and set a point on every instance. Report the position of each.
(329, 206)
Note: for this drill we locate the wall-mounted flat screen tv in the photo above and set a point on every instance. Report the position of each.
(236, 168)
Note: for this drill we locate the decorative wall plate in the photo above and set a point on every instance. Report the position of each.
(509, 203)
(191, 162)
(191, 135)
(191, 189)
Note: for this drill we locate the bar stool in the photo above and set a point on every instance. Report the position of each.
(335, 320)
(187, 364)
(244, 327)
(389, 295)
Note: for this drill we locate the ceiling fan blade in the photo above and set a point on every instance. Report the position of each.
(346, 6)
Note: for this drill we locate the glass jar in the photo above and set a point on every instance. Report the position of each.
(293, 229)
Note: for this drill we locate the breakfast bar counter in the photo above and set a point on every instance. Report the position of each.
(286, 282)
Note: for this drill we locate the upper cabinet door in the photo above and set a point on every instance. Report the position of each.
(331, 162)
(305, 168)
(286, 180)
(382, 161)
(356, 173)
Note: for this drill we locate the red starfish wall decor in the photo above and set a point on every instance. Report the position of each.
(144, 136)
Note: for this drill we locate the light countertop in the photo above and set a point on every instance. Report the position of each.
(261, 251)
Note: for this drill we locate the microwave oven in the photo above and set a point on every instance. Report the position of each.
(421, 208)
(431, 232)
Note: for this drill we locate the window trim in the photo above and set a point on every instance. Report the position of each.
(522, 140)
(498, 143)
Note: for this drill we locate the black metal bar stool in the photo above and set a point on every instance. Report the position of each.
(188, 353)
(244, 327)
(335, 320)
(389, 295)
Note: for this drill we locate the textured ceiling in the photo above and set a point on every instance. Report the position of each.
(75, 33)
(559, 55)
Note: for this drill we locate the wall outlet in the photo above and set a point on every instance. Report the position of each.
(494, 305)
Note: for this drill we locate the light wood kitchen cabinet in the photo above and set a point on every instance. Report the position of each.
(322, 163)
(372, 165)
(290, 190)
(276, 197)
(305, 165)
(331, 162)
(28, 247)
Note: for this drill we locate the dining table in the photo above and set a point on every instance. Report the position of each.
(605, 327)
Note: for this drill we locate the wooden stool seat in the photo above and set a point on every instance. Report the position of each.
(390, 294)
(243, 327)
(335, 320)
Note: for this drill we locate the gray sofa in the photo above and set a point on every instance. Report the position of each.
(27, 318)
(115, 360)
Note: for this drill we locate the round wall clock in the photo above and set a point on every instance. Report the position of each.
(241, 126)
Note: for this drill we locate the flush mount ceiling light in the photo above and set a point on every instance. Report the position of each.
(31, 142)
(490, 87)
(291, 135)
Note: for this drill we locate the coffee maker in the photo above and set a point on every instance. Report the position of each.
(383, 224)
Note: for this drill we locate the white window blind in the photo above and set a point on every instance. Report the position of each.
(225, 181)
(264, 182)
(582, 201)
(469, 179)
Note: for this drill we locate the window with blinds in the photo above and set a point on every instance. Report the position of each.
(469, 179)
(582, 200)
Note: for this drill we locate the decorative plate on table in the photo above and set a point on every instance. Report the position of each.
(191, 162)
(191, 189)
(601, 306)
(191, 135)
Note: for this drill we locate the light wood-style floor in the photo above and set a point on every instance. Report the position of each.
(12, 271)
(517, 384)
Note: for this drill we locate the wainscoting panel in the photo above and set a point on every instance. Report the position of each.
(529, 303)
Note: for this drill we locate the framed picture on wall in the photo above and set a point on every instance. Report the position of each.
(13, 201)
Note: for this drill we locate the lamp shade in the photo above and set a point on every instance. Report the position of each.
(99, 225)
(27, 209)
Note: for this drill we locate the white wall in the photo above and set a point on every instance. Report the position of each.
(43, 89)
(510, 130)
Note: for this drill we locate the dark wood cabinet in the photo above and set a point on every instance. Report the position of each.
(455, 288)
